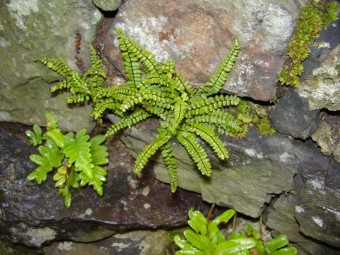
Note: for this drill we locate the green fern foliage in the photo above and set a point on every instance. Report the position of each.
(185, 112)
(77, 159)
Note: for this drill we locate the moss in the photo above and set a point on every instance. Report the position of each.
(315, 16)
(255, 114)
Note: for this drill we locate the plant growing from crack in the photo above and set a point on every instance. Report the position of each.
(205, 238)
(157, 90)
(315, 15)
(77, 159)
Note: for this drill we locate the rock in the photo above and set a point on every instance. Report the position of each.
(279, 217)
(318, 208)
(131, 243)
(327, 135)
(197, 35)
(291, 116)
(322, 88)
(33, 29)
(33, 215)
(105, 5)
(259, 167)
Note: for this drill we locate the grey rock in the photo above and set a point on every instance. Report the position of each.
(322, 88)
(279, 217)
(107, 5)
(33, 29)
(33, 215)
(291, 116)
(327, 135)
(318, 208)
(197, 35)
(130, 243)
(258, 168)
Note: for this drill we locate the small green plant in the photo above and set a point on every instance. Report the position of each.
(77, 159)
(206, 238)
(315, 16)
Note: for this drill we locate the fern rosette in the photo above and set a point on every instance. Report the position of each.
(190, 114)
(78, 159)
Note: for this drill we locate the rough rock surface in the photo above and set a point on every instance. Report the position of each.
(258, 168)
(327, 135)
(322, 88)
(33, 29)
(279, 216)
(291, 116)
(318, 191)
(132, 243)
(34, 214)
(107, 5)
(197, 35)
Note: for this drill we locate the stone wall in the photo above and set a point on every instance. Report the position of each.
(291, 178)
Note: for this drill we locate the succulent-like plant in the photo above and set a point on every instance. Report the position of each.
(205, 238)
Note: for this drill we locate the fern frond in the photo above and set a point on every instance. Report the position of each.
(149, 150)
(103, 105)
(127, 121)
(210, 137)
(216, 82)
(77, 98)
(196, 151)
(58, 66)
(159, 97)
(170, 161)
(179, 114)
(181, 84)
(133, 48)
(206, 105)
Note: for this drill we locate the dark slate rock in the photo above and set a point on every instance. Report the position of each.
(279, 216)
(259, 167)
(34, 214)
(318, 208)
(291, 116)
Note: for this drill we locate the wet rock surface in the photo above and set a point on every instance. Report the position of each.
(34, 214)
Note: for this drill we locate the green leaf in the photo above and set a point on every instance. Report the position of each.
(36, 136)
(276, 243)
(285, 251)
(99, 152)
(224, 217)
(78, 152)
(199, 241)
(198, 222)
(234, 246)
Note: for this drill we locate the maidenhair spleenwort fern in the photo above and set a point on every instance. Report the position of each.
(77, 158)
(160, 91)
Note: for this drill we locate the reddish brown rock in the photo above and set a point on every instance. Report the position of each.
(198, 34)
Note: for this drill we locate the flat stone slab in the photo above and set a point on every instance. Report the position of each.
(33, 214)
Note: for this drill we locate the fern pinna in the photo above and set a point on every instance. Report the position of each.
(159, 90)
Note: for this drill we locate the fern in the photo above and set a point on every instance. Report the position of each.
(77, 159)
(154, 90)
